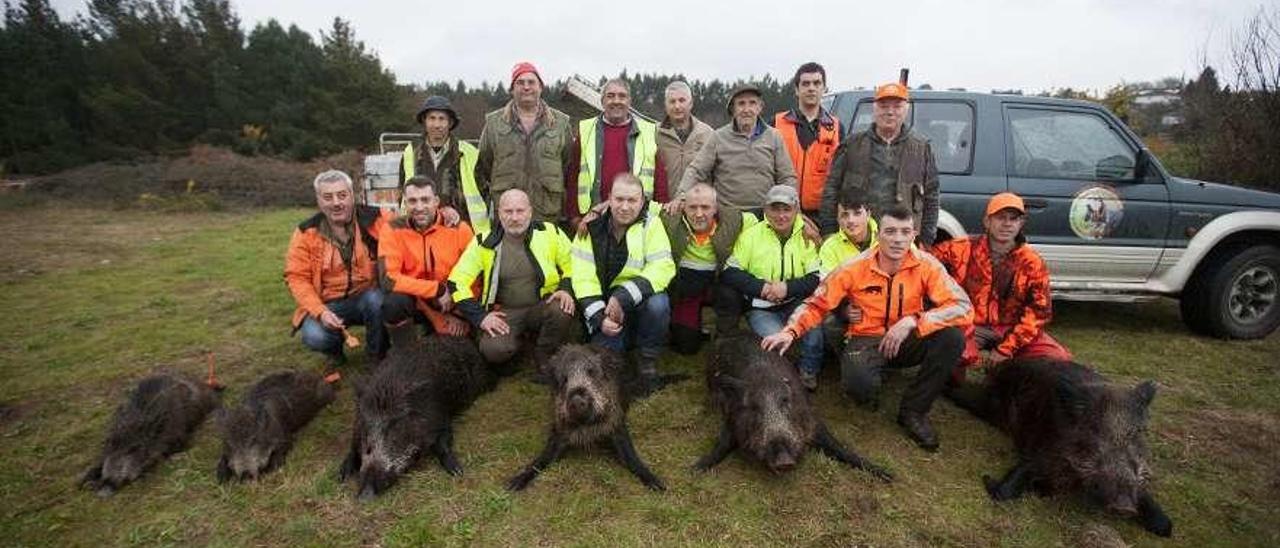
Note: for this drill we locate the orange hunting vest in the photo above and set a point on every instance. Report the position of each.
(812, 165)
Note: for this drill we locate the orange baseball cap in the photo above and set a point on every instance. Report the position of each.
(1005, 200)
(892, 90)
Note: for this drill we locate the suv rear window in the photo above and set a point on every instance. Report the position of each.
(947, 124)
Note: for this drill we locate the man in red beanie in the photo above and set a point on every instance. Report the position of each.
(526, 144)
(1008, 283)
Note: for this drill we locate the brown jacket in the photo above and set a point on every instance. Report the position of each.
(917, 180)
(677, 155)
(536, 163)
(314, 269)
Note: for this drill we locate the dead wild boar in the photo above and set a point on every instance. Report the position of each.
(1074, 433)
(157, 420)
(407, 408)
(588, 406)
(766, 412)
(257, 434)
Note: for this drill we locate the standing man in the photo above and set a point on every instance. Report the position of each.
(890, 284)
(526, 144)
(811, 135)
(776, 268)
(702, 237)
(415, 259)
(612, 143)
(892, 164)
(450, 162)
(524, 285)
(621, 267)
(329, 269)
(681, 134)
(1009, 285)
(743, 158)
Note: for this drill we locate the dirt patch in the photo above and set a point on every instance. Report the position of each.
(1227, 434)
(1246, 441)
(12, 412)
(230, 178)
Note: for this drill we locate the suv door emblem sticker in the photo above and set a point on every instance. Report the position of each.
(1095, 213)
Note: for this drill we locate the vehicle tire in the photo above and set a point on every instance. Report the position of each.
(1237, 298)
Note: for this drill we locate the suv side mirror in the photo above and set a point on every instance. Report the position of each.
(1117, 168)
(1142, 165)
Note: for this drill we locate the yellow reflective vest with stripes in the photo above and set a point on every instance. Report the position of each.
(469, 155)
(648, 270)
(643, 145)
(548, 248)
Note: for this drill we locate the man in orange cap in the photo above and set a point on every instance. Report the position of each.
(892, 164)
(1007, 282)
(526, 144)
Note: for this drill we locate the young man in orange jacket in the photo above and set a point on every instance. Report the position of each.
(811, 135)
(416, 256)
(1008, 283)
(890, 284)
(329, 268)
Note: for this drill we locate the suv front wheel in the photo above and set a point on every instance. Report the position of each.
(1237, 296)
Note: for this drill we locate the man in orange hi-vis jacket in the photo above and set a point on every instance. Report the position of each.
(415, 258)
(890, 284)
(1008, 283)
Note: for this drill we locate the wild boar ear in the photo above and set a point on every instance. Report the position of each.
(1144, 393)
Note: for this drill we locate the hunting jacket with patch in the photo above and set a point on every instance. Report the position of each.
(1013, 293)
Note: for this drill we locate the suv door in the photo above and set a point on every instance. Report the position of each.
(1088, 215)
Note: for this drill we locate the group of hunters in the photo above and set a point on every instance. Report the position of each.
(627, 228)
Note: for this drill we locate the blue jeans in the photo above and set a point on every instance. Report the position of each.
(646, 324)
(767, 322)
(360, 309)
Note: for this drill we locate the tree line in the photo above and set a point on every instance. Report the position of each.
(133, 78)
(137, 77)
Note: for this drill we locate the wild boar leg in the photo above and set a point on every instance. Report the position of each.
(626, 452)
(1152, 517)
(443, 449)
(724, 446)
(1012, 485)
(831, 447)
(555, 446)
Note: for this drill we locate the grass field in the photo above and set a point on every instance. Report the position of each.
(94, 300)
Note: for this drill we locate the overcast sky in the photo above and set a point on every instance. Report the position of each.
(975, 44)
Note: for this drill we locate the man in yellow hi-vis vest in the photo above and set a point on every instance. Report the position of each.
(612, 143)
(621, 267)
(515, 279)
(450, 162)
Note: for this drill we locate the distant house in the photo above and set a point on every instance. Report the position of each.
(1151, 97)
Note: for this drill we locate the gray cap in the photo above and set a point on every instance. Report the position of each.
(782, 194)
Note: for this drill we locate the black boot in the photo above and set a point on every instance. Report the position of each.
(918, 429)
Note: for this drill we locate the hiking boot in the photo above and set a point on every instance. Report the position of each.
(918, 429)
